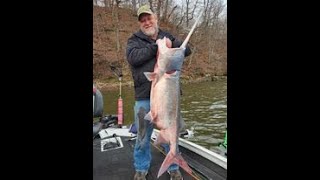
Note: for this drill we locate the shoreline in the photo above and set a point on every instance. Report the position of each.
(103, 86)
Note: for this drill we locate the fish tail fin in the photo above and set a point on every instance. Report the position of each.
(176, 159)
(165, 164)
(182, 163)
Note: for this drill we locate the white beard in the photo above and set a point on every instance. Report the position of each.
(150, 31)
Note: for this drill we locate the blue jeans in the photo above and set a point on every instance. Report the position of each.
(142, 149)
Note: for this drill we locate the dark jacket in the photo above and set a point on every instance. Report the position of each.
(141, 55)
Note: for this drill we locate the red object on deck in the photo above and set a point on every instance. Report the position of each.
(120, 112)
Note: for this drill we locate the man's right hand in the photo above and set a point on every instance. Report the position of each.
(168, 43)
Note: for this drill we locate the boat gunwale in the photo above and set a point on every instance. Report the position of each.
(206, 153)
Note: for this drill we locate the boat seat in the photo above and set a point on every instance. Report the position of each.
(97, 103)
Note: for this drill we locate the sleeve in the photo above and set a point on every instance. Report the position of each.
(177, 43)
(136, 55)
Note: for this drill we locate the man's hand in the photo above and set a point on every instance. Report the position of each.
(168, 43)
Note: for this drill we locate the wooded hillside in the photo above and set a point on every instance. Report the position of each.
(114, 21)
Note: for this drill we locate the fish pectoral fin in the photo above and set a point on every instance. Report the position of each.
(150, 75)
(148, 116)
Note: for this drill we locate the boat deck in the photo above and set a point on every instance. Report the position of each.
(117, 164)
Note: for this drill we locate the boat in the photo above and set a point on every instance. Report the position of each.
(113, 155)
(113, 146)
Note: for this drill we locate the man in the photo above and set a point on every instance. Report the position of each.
(141, 55)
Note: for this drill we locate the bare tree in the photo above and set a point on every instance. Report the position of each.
(115, 18)
(165, 11)
(174, 8)
(95, 2)
(134, 6)
(188, 13)
(108, 3)
(151, 5)
(142, 2)
(208, 43)
(159, 4)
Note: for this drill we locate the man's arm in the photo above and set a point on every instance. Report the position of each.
(177, 43)
(137, 56)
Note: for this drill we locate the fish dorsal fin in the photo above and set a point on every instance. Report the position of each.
(150, 75)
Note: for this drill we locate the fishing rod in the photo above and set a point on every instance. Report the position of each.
(117, 71)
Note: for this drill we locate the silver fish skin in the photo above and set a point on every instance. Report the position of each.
(165, 102)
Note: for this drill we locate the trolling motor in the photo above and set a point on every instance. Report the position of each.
(118, 73)
(104, 121)
(108, 120)
(97, 102)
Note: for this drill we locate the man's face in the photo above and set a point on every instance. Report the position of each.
(148, 24)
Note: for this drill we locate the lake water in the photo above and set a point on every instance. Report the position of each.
(203, 107)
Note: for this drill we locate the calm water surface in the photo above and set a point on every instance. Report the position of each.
(203, 107)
